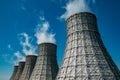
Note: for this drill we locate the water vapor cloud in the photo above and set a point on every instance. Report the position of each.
(19, 57)
(25, 41)
(75, 6)
(42, 31)
(27, 48)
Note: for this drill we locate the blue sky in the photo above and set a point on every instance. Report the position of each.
(20, 20)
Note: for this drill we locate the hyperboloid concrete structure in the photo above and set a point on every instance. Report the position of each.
(14, 72)
(86, 57)
(20, 70)
(29, 66)
(46, 66)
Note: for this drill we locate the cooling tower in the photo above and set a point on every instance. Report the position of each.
(20, 70)
(86, 57)
(46, 67)
(29, 65)
(14, 72)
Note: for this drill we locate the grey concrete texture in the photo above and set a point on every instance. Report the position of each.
(46, 66)
(14, 72)
(20, 70)
(86, 57)
(29, 66)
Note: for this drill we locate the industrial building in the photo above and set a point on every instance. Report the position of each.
(20, 70)
(86, 57)
(14, 72)
(46, 66)
(29, 66)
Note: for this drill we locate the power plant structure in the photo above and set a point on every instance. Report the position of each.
(20, 70)
(14, 72)
(86, 57)
(46, 66)
(29, 65)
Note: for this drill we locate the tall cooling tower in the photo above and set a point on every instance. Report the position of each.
(20, 70)
(86, 57)
(46, 67)
(14, 72)
(29, 65)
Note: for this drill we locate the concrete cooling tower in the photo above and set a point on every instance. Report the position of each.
(29, 65)
(86, 57)
(20, 70)
(14, 72)
(46, 66)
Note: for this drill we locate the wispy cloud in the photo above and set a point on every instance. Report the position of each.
(19, 56)
(42, 31)
(9, 46)
(27, 49)
(42, 35)
(75, 6)
(25, 41)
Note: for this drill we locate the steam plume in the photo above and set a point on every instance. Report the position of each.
(19, 57)
(28, 48)
(42, 33)
(75, 6)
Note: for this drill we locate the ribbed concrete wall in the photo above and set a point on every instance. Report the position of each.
(46, 67)
(14, 72)
(29, 65)
(86, 57)
(20, 70)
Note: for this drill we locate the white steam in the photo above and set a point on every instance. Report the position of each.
(42, 33)
(27, 48)
(19, 57)
(25, 41)
(75, 6)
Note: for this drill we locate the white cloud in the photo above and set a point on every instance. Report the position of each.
(42, 33)
(19, 57)
(75, 6)
(9, 46)
(27, 49)
(25, 41)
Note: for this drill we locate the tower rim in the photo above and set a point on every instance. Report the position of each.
(80, 13)
(47, 43)
(15, 65)
(32, 55)
(22, 62)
